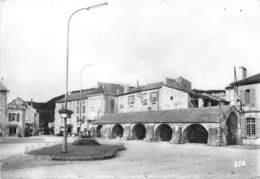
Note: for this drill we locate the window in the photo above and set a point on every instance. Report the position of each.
(77, 109)
(14, 117)
(83, 119)
(247, 96)
(250, 127)
(154, 97)
(84, 109)
(18, 117)
(131, 99)
(11, 117)
(171, 98)
(144, 99)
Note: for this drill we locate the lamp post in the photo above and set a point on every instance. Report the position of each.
(64, 146)
(80, 98)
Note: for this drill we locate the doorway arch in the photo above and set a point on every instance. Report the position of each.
(195, 133)
(139, 131)
(98, 131)
(163, 132)
(232, 125)
(117, 131)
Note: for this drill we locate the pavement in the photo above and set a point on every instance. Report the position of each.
(144, 160)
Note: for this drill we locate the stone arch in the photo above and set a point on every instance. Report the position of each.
(98, 131)
(138, 131)
(163, 132)
(195, 133)
(231, 129)
(117, 131)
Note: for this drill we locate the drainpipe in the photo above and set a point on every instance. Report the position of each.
(158, 107)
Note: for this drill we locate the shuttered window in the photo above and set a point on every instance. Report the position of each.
(153, 97)
(247, 97)
(250, 127)
(131, 99)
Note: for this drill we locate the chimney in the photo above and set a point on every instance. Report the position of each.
(117, 91)
(126, 88)
(242, 73)
(31, 102)
(99, 84)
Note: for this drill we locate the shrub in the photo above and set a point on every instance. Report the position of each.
(85, 141)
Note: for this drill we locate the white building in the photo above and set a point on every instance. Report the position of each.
(95, 103)
(245, 94)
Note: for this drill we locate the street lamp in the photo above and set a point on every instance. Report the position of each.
(80, 98)
(64, 146)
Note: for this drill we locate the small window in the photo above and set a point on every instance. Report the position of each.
(77, 109)
(247, 96)
(18, 117)
(84, 109)
(250, 127)
(154, 97)
(131, 99)
(144, 98)
(171, 98)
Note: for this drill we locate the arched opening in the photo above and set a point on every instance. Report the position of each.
(195, 133)
(231, 133)
(139, 131)
(163, 132)
(98, 131)
(117, 131)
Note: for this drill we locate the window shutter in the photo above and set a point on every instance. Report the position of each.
(242, 96)
(252, 97)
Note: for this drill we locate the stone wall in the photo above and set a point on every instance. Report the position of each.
(215, 133)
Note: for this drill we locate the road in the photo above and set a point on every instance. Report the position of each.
(148, 160)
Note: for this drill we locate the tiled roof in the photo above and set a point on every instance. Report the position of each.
(112, 88)
(75, 95)
(2, 87)
(208, 91)
(150, 86)
(193, 115)
(103, 88)
(18, 103)
(249, 80)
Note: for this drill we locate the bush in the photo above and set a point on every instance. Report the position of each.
(85, 141)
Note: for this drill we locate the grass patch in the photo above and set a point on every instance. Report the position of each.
(78, 152)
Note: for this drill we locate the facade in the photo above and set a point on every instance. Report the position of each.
(245, 94)
(170, 111)
(94, 104)
(46, 113)
(210, 125)
(23, 119)
(166, 95)
(3, 109)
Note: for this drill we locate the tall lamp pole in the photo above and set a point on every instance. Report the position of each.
(64, 147)
(80, 100)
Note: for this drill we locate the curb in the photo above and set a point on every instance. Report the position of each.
(107, 155)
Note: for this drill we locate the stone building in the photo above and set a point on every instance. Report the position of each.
(170, 111)
(95, 103)
(244, 93)
(210, 125)
(23, 119)
(168, 94)
(3, 110)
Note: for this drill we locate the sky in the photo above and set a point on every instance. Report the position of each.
(144, 40)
